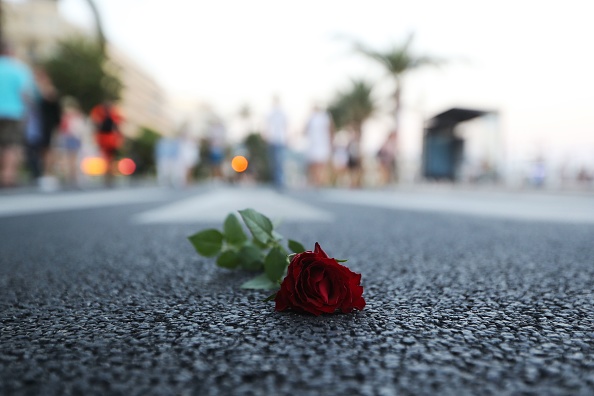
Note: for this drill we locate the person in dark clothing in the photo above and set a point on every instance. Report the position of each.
(45, 116)
(355, 160)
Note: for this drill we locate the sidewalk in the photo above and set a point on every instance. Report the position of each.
(86, 185)
(447, 187)
(515, 204)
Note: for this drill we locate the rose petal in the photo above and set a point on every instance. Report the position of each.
(323, 287)
(318, 251)
(315, 274)
(359, 303)
(281, 301)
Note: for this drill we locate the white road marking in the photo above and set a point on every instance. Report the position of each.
(31, 203)
(216, 205)
(510, 205)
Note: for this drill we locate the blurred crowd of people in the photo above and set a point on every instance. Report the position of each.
(176, 158)
(44, 131)
(333, 157)
(329, 157)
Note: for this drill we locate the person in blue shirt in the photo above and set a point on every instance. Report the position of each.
(166, 154)
(16, 91)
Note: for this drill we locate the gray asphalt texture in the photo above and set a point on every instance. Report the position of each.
(456, 305)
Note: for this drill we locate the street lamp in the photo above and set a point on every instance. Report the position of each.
(96, 16)
(98, 24)
(1, 22)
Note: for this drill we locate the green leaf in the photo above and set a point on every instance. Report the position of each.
(208, 242)
(259, 225)
(270, 298)
(253, 266)
(233, 231)
(259, 244)
(260, 282)
(341, 261)
(228, 259)
(275, 264)
(296, 247)
(250, 258)
(276, 236)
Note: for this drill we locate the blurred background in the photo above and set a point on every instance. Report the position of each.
(493, 92)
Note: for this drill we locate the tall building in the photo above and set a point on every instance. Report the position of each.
(143, 102)
(35, 27)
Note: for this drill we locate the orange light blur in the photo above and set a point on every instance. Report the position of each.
(239, 163)
(93, 166)
(126, 166)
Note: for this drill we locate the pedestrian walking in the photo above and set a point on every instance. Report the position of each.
(386, 157)
(50, 114)
(188, 156)
(16, 93)
(216, 149)
(340, 158)
(355, 160)
(167, 152)
(276, 137)
(319, 145)
(72, 130)
(107, 120)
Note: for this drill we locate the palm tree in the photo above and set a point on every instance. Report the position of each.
(350, 109)
(98, 24)
(397, 61)
(77, 69)
(353, 107)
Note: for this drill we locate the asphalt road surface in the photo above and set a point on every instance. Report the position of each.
(484, 294)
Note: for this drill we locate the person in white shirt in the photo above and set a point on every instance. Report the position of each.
(319, 145)
(217, 138)
(276, 137)
(187, 157)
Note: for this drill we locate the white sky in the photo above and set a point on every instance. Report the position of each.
(531, 60)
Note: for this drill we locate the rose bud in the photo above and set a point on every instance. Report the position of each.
(317, 284)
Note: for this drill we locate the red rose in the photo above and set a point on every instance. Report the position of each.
(317, 284)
